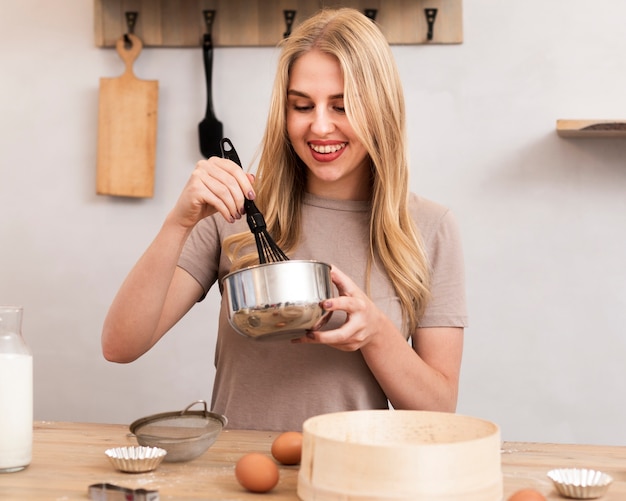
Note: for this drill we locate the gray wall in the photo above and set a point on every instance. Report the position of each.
(543, 218)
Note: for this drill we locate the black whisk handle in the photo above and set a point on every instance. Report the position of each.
(229, 152)
(255, 219)
(266, 247)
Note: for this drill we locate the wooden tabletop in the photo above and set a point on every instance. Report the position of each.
(69, 457)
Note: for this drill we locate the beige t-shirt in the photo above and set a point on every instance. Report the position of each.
(276, 385)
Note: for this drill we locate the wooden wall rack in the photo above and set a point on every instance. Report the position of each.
(181, 23)
(591, 128)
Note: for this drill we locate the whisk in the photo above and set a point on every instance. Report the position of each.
(268, 250)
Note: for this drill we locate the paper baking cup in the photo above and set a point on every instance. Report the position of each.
(137, 459)
(580, 483)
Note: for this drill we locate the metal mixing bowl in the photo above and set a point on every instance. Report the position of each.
(278, 300)
(185, 434)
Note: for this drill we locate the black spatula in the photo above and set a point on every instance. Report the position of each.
(210, 129)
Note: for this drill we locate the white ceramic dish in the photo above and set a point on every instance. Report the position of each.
(135, 459)
(580, 483)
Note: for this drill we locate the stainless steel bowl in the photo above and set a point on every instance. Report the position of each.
(278, 300)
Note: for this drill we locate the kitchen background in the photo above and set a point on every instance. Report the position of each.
(543, 217)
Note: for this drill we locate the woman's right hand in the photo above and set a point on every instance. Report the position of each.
(215, 185)
(148, 304)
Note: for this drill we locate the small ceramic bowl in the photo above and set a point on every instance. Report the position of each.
(136, 459)
(580, 483)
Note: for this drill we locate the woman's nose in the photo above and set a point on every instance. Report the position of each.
(322, 122)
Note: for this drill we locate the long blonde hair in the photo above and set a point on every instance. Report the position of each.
(374, 104)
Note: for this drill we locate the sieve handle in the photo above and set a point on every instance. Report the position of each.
(184, 411)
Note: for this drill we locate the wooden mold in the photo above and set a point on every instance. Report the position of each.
(400, 456)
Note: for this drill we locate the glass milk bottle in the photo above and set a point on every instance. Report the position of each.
(16, 393)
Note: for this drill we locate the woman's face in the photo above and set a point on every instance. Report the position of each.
(321, 135)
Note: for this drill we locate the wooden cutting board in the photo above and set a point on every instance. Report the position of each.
(127, 126)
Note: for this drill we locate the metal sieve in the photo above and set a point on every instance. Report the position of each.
(185, 434)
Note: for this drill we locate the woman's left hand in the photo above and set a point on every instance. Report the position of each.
(364, 319)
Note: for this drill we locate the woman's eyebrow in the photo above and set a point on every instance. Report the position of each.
(297, 93)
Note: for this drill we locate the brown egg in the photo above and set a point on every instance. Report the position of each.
(256, 472)
(527, 495)
(287, 447)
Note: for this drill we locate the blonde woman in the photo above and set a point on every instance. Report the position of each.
(332, 183)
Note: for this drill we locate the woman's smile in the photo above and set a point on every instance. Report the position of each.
(327, 152)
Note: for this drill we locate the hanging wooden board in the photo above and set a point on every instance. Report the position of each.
(240, 23)
(127, 127)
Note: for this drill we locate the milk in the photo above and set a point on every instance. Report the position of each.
(16, 411)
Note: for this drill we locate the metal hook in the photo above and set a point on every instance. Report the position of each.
(431, 14)
(371, 13)
(209, 15)
(131, 20)
(290, 15)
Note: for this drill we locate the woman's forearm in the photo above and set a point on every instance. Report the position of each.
(422, 379)
(136, 320)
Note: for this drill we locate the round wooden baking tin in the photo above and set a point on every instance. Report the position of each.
(400, 456)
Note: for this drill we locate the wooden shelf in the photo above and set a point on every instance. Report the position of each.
(591, 128)
(239, 23)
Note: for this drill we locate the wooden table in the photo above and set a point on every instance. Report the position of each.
(68, 457)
